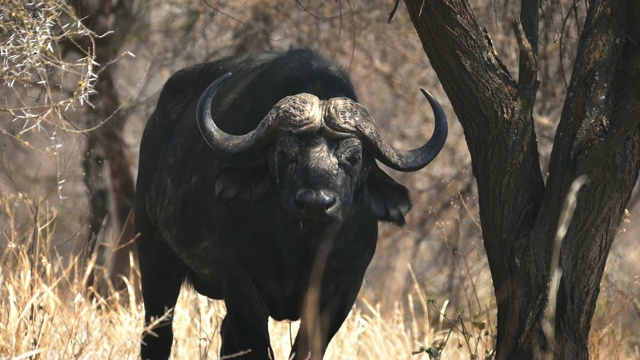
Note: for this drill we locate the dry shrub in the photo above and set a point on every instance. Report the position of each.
(41, 83)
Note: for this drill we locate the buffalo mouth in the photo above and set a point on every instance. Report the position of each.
(314, 226)
(300, 220)
(318, 219)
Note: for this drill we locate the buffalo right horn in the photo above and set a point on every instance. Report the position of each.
(351, 115)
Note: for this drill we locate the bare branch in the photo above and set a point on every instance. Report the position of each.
(393, 11)
(528, 59)
(530, 20)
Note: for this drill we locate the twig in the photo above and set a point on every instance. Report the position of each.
(568, 208)
(393, 11)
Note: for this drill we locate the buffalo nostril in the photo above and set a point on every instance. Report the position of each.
(314, 200)
(328, 201)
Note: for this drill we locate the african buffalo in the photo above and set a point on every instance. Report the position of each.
(262, 189)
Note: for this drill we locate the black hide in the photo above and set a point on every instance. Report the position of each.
(249, 228)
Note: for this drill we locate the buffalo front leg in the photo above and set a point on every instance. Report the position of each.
(321, 322)
(244, 332)
(162, 276)
(242, 339)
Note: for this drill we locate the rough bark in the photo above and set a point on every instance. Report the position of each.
(598, 136)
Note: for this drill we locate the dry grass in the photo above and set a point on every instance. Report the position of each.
(45, 313)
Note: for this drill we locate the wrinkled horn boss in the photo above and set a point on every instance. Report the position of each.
(305, 110)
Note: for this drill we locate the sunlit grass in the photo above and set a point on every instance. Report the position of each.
(51, 317)
(46, 312)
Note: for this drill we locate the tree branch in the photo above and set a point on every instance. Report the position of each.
(528, 77)
(530, 20)
(492, 112)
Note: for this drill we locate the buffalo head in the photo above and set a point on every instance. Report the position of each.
(323, 151)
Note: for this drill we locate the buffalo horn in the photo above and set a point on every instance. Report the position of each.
(350, 114)
(291, 113)
(219, 140)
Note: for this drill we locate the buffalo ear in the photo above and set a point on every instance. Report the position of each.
(248, 181)
(388, 200)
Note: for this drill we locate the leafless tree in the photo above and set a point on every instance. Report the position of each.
(546, 290)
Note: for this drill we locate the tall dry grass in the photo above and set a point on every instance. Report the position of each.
(47, 313)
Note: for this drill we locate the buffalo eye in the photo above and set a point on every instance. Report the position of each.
(284, 156)
(353, 159)
(351, 153)
(286, 148)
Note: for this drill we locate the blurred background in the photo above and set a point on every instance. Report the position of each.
(80, 79)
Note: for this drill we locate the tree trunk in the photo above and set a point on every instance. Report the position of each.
(112, 22)
(598, 136)
(116, 197)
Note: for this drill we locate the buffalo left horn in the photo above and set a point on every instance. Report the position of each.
(350, 115)
(294, 111)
